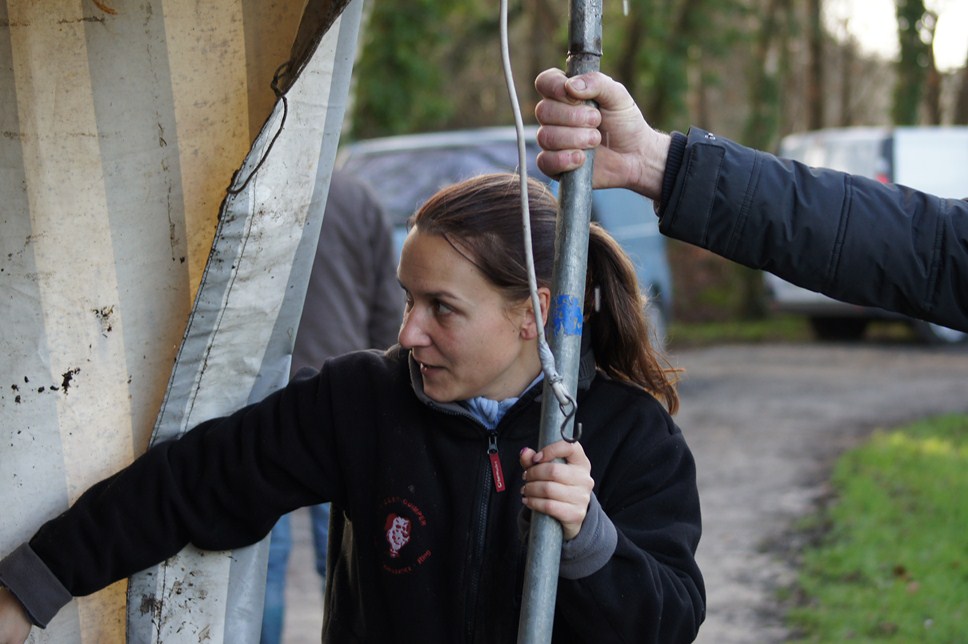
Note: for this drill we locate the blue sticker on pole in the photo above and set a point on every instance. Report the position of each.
(567, 317)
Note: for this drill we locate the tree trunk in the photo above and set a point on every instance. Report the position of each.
(544, 20)
(761, 124)
(815, 80)
(961, 103)
(847, 62)
(911, 75)
(628, 57)
(932, 89)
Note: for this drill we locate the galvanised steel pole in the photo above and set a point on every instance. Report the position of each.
(568, 295)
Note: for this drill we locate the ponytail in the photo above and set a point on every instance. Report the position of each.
(622, 337)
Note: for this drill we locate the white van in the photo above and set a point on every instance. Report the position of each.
(931, 159)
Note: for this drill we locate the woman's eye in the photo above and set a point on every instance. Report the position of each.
(440, 308)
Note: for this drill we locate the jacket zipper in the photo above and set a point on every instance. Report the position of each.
(497, 478)
(493, 473)
(497, 473)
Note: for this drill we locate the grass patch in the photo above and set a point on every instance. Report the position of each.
(785, 328)
(893, 564)
(777, 328)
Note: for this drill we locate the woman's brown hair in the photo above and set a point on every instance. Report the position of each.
(481, 219)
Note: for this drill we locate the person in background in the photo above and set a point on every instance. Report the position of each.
(846, 236)
(429, 451)
(353, 302)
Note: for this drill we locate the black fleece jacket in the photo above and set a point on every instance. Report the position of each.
(431, 551)
(843, 235)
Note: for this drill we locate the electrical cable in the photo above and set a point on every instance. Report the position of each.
(565, 401)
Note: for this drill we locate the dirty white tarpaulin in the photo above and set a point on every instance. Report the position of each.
(123, 125)
(239, 340)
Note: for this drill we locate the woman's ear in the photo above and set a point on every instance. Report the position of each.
(529, 330)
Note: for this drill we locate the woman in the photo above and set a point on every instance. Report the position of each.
(402, 443)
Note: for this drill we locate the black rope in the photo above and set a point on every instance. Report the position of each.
(285, 112)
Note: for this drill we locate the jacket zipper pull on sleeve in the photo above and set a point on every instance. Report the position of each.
(495, 458)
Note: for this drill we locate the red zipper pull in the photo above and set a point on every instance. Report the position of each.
(496, 469)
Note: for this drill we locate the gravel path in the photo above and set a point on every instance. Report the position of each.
(766, 423)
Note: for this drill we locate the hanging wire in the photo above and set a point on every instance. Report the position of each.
(566, 403)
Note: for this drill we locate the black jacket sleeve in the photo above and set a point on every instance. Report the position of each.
(846, 236)
(197, 489)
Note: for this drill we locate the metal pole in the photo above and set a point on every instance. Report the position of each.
(568, 295)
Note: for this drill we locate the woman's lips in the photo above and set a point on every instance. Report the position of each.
(428, 369)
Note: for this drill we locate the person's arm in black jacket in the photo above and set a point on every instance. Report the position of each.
(197, 489)
(846, 236)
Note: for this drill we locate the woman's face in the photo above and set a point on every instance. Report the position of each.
(468, 339)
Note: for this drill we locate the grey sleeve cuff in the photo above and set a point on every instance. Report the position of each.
(588, 552)
(28, 577)
(594, 545)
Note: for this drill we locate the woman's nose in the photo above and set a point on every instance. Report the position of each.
(412, 333)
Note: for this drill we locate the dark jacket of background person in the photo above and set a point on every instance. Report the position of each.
(353, 300)
(845, 236)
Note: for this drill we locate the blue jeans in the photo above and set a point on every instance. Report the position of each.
(280, 544)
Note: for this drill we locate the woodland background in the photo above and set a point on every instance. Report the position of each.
(751, 70)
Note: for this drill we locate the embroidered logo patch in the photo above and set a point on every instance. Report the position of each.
(398, 534)
(404, 544)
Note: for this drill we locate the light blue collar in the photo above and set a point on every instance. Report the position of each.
(490, 412)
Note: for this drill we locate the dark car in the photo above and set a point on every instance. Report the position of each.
(406, 170)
